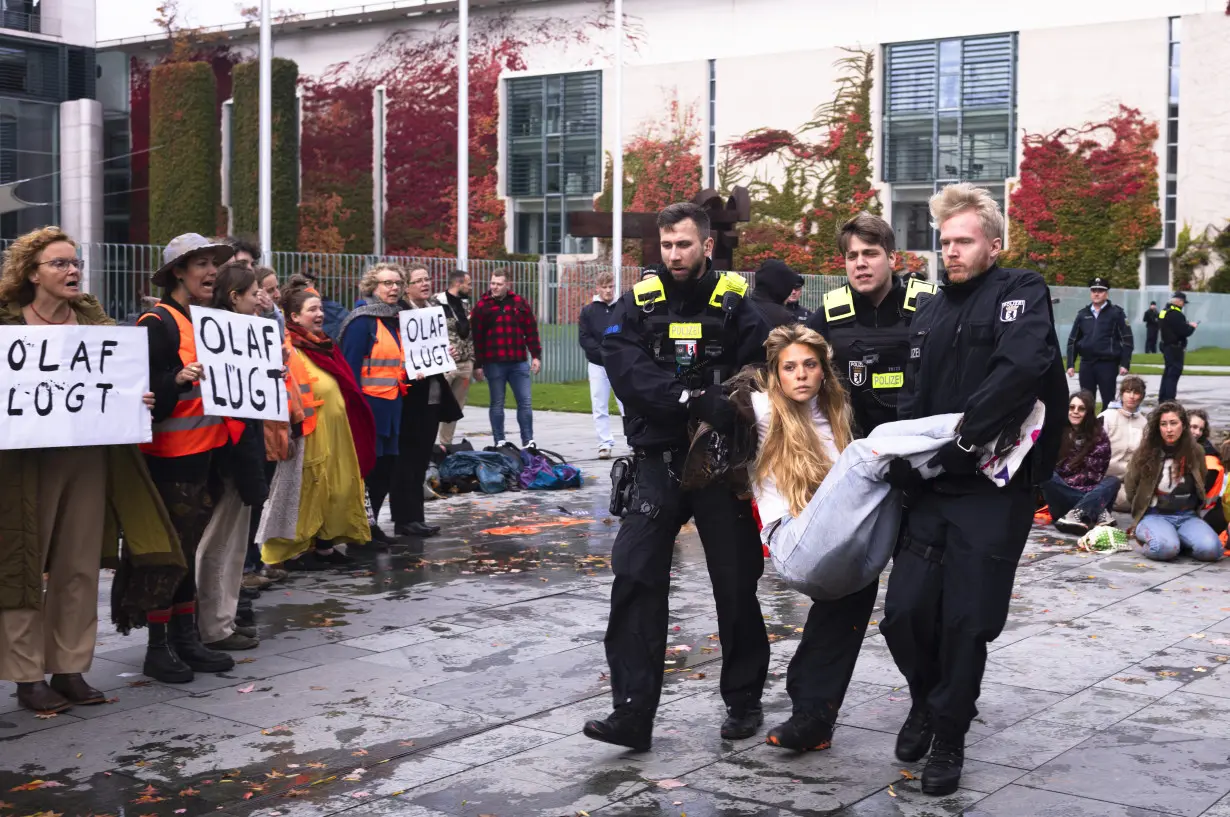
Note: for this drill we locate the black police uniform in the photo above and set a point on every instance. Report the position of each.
(871, 347)
(665, 337)
(1151, 319)
(1103, 343)
(1174, 331)
(987, 348)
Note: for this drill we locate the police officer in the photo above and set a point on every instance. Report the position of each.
(1100, 337)
(867, 322)
(670, 342)
(1174, 330)
(984, 346)
(867, 325)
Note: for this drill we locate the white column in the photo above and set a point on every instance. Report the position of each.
(380, 186)
(266, 135)
(228, 115)
(463, 134)
(617, 168)
(81, 173)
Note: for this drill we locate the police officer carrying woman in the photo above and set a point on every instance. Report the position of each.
(670, 343)
(184, 442)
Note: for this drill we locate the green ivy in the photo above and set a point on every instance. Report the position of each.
(185, 160)
(1220, 280)
(245, 152)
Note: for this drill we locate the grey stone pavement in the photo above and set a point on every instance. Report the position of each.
(457, 682)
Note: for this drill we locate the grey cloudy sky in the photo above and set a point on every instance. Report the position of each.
(129, 18)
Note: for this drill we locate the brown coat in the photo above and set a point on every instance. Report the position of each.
(1141, 483)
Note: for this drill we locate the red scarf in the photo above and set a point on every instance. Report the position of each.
(324, 353)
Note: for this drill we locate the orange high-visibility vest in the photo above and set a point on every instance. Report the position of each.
(187, 431)
(1217, 482)
(384, 369)
(299, 378)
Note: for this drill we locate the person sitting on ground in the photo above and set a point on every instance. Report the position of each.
(317, 497)
(1198, 422)
(60, 509)
(1125, 427)
(1079, 492)
(1165, 486)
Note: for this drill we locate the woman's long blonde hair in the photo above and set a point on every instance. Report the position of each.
(791, 452)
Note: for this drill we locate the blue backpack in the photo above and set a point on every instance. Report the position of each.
(493, 472)
(546, 471)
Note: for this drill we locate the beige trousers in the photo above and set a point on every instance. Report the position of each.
(59, 638)
(219, 566)
(459, 382)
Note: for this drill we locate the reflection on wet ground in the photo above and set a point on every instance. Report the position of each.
(452, 677)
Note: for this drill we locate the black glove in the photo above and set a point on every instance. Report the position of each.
(954, 460)
(903, 476)
(712, 407)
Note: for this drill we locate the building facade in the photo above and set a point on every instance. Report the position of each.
(957, 85)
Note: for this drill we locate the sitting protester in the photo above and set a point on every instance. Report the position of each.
(1125, 427)
(1198, 422)
(1079, 492)
(1165, 485)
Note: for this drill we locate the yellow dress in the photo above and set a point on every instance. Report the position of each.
(331, 497)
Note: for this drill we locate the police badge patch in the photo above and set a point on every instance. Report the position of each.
(857, 373)
(1009, 311)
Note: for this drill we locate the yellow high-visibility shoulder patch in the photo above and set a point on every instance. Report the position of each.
(648, 291)
(914, 289)
(729, 282)
(838, 304)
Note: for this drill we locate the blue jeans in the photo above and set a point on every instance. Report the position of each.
(1062, 497)
(516, 375)
(1164, 535)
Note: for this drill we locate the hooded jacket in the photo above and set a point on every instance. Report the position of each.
(774, 283)
(594, 319)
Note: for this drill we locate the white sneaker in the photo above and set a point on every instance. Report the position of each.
(1072, 523)
(604, 452)
(1106, 518)
(531, 445)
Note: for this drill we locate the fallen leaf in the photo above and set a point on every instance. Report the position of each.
(248, 795)
(406, 743)
(891, 791)
(79, 755)
(316, 765)
(245, 660)
(246, 690)
(696, 676)
(1198, 635)
(142, 683)
(181, 811)
(46, 716)
(358, 795)
(358, 753)
(276, 730)
(908, 775)
(297, 793)
(671, 783)
(147, 798)
(317, 689)
(1200, 669)
(5, 805)
(1168, 674)
(189, 792)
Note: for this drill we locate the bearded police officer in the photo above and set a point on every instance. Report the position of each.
(984, 346)
(867, 322)
(670, 343)
(1100, 337)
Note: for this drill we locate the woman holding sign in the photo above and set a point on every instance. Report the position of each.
(105, 488)
(370, 344)
(184, 443)
(338, 448)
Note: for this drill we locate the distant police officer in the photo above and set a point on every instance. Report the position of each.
(670, 343)
(1101, 339)
(984, 346)
(867, 325)
(1175, 329)
(867, 322)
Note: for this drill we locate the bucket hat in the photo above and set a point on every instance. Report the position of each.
(185, 245)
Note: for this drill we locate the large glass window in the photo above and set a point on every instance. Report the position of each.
(553, 157)
(29, 149)
(949, 115)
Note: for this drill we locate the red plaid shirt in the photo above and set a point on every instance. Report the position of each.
(503, 330)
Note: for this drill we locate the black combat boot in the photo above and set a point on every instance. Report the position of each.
(742, 721)
(914, 739)
(804, 732)
(161, 661)
(187, 643)
(942, 774)
(624, 727)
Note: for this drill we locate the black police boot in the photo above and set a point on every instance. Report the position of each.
(161, 662)
(742, 722)
(188, 646)
(804, 732)
(914, 739)
(942, 774)
(623, 727)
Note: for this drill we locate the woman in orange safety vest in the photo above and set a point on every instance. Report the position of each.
(370, 342)
(182, 447)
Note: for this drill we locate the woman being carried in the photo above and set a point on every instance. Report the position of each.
(802, 424)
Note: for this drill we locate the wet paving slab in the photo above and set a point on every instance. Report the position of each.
(452, 676)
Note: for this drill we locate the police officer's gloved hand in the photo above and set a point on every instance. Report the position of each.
(903, 476)
(955, 460)
(712, 407)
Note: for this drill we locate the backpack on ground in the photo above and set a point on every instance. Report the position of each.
(544, 470)
(440, 452)
(491, 473)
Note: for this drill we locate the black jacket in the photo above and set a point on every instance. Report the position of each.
(650, 393)
(595, 318)
(1105, 337)
(242, 462)
(801, 313)
(987, 348)
(1175, 330)
(1151, 317)
(774, 283)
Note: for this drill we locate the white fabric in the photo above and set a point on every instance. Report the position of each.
(1125, 432)
(219, 565)
(770, 504)
(280, 517)
(600, 402)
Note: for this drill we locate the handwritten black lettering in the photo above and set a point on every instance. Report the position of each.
(15, 363)
(82, 355)
(107, 346)
(104, 387)
(208, 322)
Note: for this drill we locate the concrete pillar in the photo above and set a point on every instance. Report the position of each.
(81, 170)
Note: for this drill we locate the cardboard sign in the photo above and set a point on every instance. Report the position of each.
(424, 342)
(242, 356)
(73, 385)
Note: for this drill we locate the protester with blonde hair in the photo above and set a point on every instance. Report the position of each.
(53, 629)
